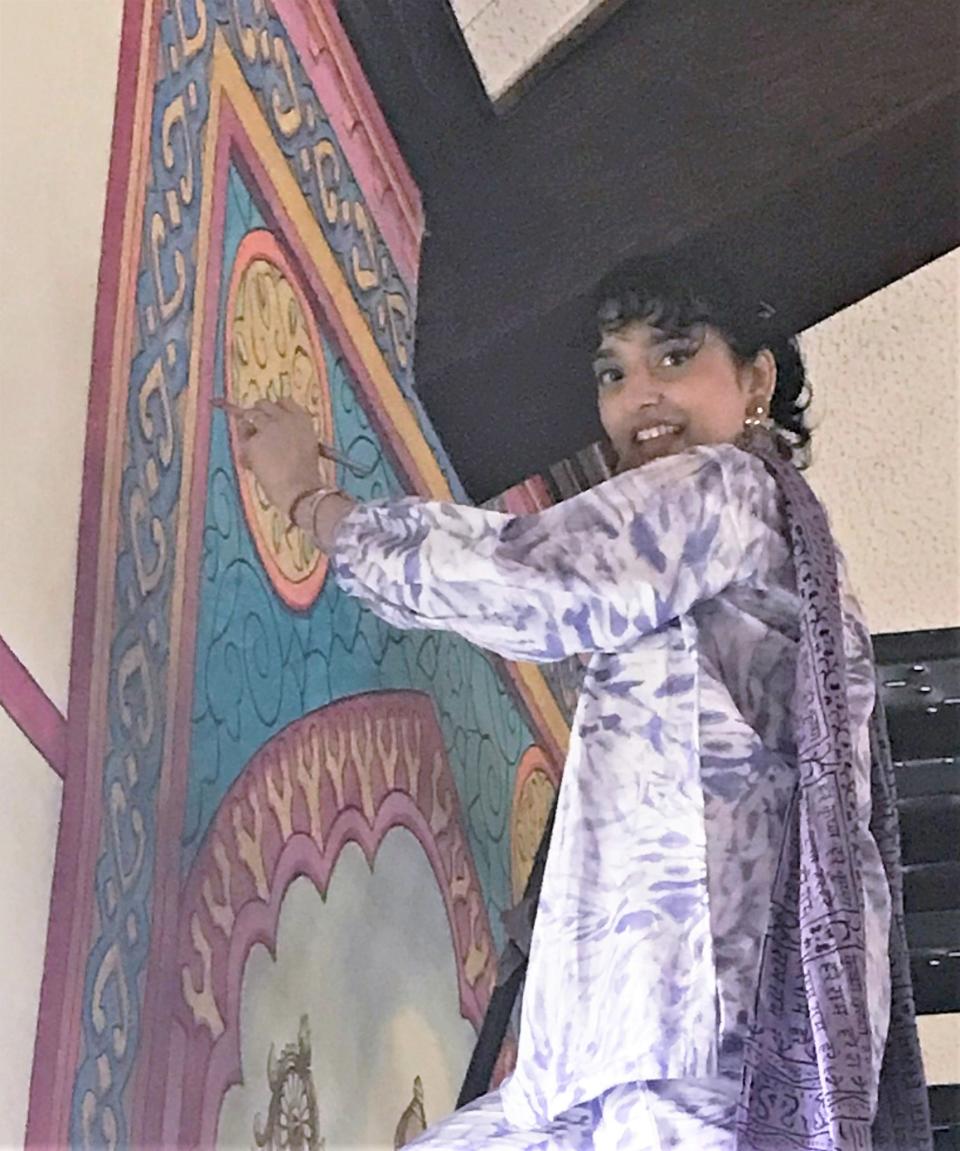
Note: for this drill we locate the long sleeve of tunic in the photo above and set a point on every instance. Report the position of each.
(595, 573)
(677, 581)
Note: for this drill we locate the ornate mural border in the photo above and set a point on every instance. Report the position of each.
(330, 62)
(192, 72)
(239, 134)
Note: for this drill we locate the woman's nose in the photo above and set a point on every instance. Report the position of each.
(640, 390)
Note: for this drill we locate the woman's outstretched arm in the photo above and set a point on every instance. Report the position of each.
(595, 572)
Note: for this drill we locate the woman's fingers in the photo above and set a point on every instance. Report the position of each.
(264, 410)
(247, 421)
(247, 429)
(276, 443)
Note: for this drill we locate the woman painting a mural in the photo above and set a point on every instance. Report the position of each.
(718, 959)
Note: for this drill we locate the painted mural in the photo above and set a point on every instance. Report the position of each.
(288, 830)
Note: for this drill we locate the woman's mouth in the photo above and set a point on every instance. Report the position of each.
(645, 435)
(646, 444)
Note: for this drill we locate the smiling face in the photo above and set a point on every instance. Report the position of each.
(659, 394)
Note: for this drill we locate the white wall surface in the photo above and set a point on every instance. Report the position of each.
(31, 813)
(508, 37)
(886, 386)
(58, 70)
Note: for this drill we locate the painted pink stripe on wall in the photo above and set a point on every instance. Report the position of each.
(32, 710)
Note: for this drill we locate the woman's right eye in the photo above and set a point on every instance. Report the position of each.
(678, 354)
(607, 376)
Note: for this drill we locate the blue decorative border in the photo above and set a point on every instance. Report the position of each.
(150, 488)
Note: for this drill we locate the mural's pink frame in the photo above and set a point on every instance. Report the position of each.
(394, 201)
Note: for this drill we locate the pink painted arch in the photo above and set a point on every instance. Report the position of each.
(347, 773)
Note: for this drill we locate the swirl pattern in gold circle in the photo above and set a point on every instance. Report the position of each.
(273, 351)
(533, 798)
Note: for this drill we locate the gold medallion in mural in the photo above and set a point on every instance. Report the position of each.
(273, 351)
(534, 790)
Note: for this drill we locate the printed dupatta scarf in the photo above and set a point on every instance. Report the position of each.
(808, 1064)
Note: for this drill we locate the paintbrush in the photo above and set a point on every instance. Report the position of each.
(328, 453)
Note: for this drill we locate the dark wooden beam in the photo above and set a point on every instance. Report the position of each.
(811, 148)
(525, 399)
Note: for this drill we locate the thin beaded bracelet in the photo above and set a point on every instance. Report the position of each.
(317, 494)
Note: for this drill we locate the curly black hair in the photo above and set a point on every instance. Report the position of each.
(679, 302)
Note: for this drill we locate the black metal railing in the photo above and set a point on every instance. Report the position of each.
(920, 684)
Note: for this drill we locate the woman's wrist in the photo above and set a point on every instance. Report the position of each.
(319, 512)
(300, 509)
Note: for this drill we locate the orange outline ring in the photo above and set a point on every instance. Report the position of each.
(272, 349)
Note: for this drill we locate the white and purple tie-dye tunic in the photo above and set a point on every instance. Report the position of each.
(677, 580)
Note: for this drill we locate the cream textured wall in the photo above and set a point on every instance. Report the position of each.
(508, 37)
(58, 67)
(940, 1042)
(31, 811)
(57, 81)
(886, 384)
